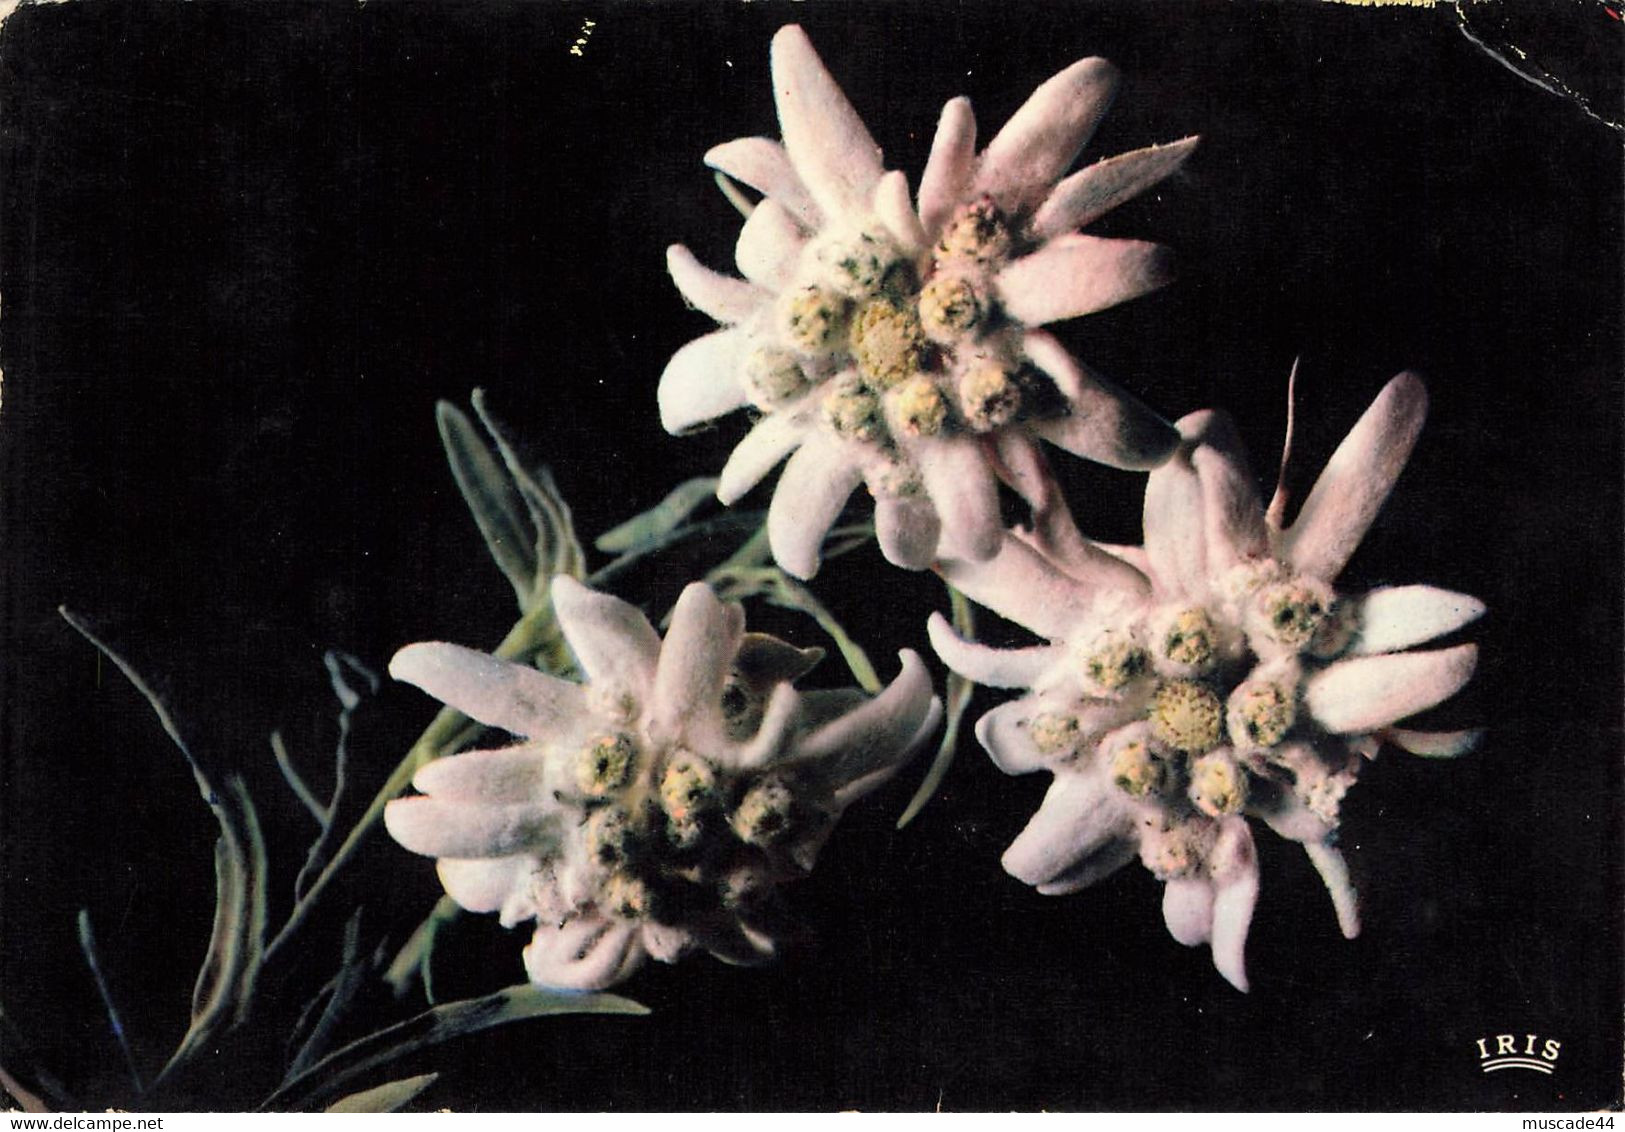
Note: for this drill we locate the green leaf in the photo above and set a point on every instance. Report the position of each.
(385, 1098)
(497, 506)
(413, 961)
(958, 698)
(644, 530)
(230, 964)
(557, 549)
(433, 1027)
(342, 671)
(352, 973)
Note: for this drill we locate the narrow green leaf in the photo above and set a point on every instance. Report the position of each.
(296, 782)
(557, 549)
(352, 973)
(344, 672)
(413, 961)
(648, 527)
(87, 944)
(32, 1087)
(239, 869)
(432, 1027)
(256, 896)
(958, 698)
(385, 1098)
(491, 497)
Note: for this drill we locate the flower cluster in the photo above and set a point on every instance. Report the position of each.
(894, 342)
(652, 809)
(1213, 675)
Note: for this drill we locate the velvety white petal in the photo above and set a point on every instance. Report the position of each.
(612, 640)
(724, 298)
(828, 143)
(811, 492)
(665, 943)
(948, 169)
(764, 165)
(513, 774)
(857, 788)
(1233, 865)
(1435, 744)
(821, 705)
(1093, 868)
(1040, 141)
(960, 481)
(1334, 871)
(1232, 512)
(1105, 424)
(1090, 193)
(1135, 556)
(497, 693)
(1356, 481)
(770, 242)
(770, 440)
(484, 885)
(701, 382)
(1003, 733)
(1080, 814)
(779, 720)
(1075, 275)
(1187, 909)
(1290, 818)
(876, 735)
(996, 668)
(1021, 585)
(1398, 617)
(694, 663)
(438, 828)
(588, 953)
(1370, 692)
(907, 529)
(896, 212)
(1175, 535)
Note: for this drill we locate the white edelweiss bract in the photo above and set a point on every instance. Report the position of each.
(650, 810)
(896, 346)
(1261, 693)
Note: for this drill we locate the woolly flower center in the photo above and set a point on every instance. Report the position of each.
(670, 835)
(896, 347)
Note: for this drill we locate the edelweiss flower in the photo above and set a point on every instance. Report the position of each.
(896, 348)
(652, 809)
(1212, 676)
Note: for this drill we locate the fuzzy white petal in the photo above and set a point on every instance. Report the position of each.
(1003, 733)
(895, 211)
(1022, 586)
(1091, 193)
(907, 530)
(497, 693)
(948, 169)
(437, 828)
(665, 943)
(724, 298)
(811, 492)
(1041, 140)
(588, 953)
(1105, 423)
(694, 662)
(701, 382)
(1094, 868)
(779, 719)
(962, 486)
(828, 143)
(770, 440)
(1233, 866)
(1356, 481)
(1187, 909)
(1175, 539)
(612, 640)
(1434, 744)
(1370, 692)
(513, 774)
(1075, 275)
(875, 736)
(1398, 617)
(1080, 815)
(770, 242)
(484, 885)
(1334, 871)
(996, 668)
(764, 165)
(1232, 512)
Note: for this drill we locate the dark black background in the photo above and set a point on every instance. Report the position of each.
(246, 248)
